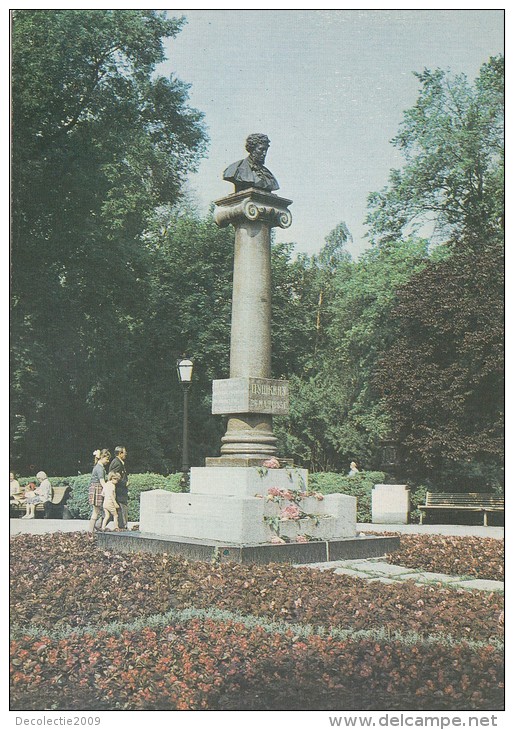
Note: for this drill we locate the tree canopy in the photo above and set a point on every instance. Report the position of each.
(114, 275)
(98, 142)
(452, 140)
(442, 375)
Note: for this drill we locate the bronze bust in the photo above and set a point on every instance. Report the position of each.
(250, 172)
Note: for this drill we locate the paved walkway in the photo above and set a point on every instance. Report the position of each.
(457, 530)
(20, 526)
(375, 569)
(39, 526)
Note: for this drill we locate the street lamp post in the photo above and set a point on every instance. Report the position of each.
(185, 374)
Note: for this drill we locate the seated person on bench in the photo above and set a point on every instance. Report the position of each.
(16, 493)
(41, 495)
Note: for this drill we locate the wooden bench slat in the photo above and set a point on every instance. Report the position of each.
(470, 501)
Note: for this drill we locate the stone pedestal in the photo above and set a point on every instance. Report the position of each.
(250, 396)
(232, 505)
(390, 504)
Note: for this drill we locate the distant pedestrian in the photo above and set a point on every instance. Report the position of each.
(97, 484)
(118, 465)
(353, 469)
(110, 505)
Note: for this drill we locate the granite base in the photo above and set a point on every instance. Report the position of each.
(212, 551)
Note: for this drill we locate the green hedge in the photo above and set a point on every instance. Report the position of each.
(78, 503)
(360, 486)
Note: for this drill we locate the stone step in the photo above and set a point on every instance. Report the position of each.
(239, 519)
(237, 527)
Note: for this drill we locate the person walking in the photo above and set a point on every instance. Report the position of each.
(118, 465)
(97, 484)
(110, 505)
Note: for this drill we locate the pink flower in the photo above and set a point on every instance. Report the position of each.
(291, 512)
(271, 463)
(276, 540)
(302, 538)
(274, 492)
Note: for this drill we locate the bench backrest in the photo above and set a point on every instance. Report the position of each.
(58, 494)
(464, 499)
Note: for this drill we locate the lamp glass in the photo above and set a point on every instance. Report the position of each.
(185, 370)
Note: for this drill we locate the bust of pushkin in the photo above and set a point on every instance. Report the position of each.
(250, 172)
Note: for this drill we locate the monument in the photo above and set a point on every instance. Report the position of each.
(247, 504)
(250, 397)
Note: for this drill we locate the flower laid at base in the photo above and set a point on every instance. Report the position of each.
(278, 540)
(291, 512)
(292, 495)
(272, 463)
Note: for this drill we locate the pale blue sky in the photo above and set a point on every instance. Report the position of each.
(328, 87)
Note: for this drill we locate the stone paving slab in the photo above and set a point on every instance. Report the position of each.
(481, 585)
(348, 571)
(374, 567)
(374, 570)
(422, 577)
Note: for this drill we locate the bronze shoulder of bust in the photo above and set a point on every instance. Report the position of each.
(250, 172)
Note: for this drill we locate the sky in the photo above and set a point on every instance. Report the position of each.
(328, 87)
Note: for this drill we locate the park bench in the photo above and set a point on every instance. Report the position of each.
(465, 501)
(60, 496)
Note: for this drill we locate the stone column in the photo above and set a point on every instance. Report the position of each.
(250, 396)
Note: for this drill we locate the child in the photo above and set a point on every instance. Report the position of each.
(31, 498)
(110, 505)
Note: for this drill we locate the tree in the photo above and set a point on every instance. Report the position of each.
(442, 376)
(189, 308)
(452, 140)
(98, 143)
(294, 300)
(188, 304)
(335, 414)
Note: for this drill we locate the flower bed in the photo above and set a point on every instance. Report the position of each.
(379, 646)
(478, 557)
(208, 665)
(79, 584)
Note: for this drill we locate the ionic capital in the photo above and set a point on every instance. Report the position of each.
(253, 205)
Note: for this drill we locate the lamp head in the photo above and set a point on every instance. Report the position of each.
(185, 370)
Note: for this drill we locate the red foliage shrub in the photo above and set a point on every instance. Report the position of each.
(479, 557)
(206, 665)
(73, 583)
(65, 580)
